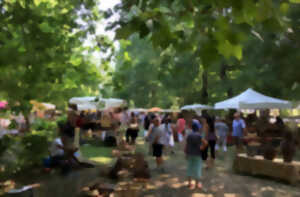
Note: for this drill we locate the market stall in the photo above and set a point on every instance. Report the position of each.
(96, 103)
(257, 165)
(251, 99)
(196, 108)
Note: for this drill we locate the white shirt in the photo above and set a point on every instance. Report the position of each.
(55, 150)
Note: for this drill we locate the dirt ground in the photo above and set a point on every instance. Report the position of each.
(219, 181)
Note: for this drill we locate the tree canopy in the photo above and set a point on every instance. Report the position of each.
(42, 52)
(171, 52)
(206, 51)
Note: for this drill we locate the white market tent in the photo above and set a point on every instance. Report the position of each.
(196, 107)
(94, 103)
(251, 99)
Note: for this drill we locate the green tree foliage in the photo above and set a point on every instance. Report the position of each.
(209, 27)
(269, 64)
(194, 71)
(150, 76)
(41, 53)
(136, 75)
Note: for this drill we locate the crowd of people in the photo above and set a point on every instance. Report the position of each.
(198, 136)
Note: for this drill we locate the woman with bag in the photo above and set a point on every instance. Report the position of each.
(168, 133)
(195, 143)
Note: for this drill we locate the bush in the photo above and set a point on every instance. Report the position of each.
(42, 124)
(20, 153)
(13, 124)
(61, 119)
(5, 142)
(35, 148)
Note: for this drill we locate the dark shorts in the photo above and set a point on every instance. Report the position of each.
(157, 150)
(132, 132)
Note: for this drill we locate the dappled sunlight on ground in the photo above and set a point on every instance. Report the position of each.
(99, 154)
(102, 160)
(217, 182)
(201, 195)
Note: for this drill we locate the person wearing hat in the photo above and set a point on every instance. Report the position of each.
(238, 130)
(195, 143)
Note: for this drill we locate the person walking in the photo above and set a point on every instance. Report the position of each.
(133, 129)
(238, 130)
(212, 140)
(222, 132)
(168, 133)
(180, 125)
(157, 143)
(195, 144)
(210, 136)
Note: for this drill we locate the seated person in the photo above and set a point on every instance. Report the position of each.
(57, 153)
(62, 151)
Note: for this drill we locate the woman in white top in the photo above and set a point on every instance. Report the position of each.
(168, 128)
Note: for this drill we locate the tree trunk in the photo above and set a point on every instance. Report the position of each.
(27, 124)
(204, 93)
(225, 80)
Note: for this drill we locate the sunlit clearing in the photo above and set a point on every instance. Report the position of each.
(103, 160)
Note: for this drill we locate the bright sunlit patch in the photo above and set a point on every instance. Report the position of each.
(202, 195)
(103, 160)
(177, 185)
(165, 176)
(230, 195)
(268, 188)
(140, 142)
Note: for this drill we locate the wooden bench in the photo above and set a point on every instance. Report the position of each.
(275, 169)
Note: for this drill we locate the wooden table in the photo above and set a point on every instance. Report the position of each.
(259, 166)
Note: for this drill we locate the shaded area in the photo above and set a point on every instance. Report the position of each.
(218, 182)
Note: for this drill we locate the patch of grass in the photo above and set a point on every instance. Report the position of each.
(99, 154)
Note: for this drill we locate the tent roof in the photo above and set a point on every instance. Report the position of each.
(82, 100)
(251, 99)
(196, 107)
(91, 103)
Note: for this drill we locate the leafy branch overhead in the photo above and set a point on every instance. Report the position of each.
(208, 26)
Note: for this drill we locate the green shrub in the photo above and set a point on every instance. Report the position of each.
(42, 124)
(61, 119)
(35, 148)
(5, 142)
(13, 124)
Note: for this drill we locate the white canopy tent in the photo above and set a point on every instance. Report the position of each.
(196, 107)
(94, 103)
(251, 99)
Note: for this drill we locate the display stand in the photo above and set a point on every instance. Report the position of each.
(257, 165)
